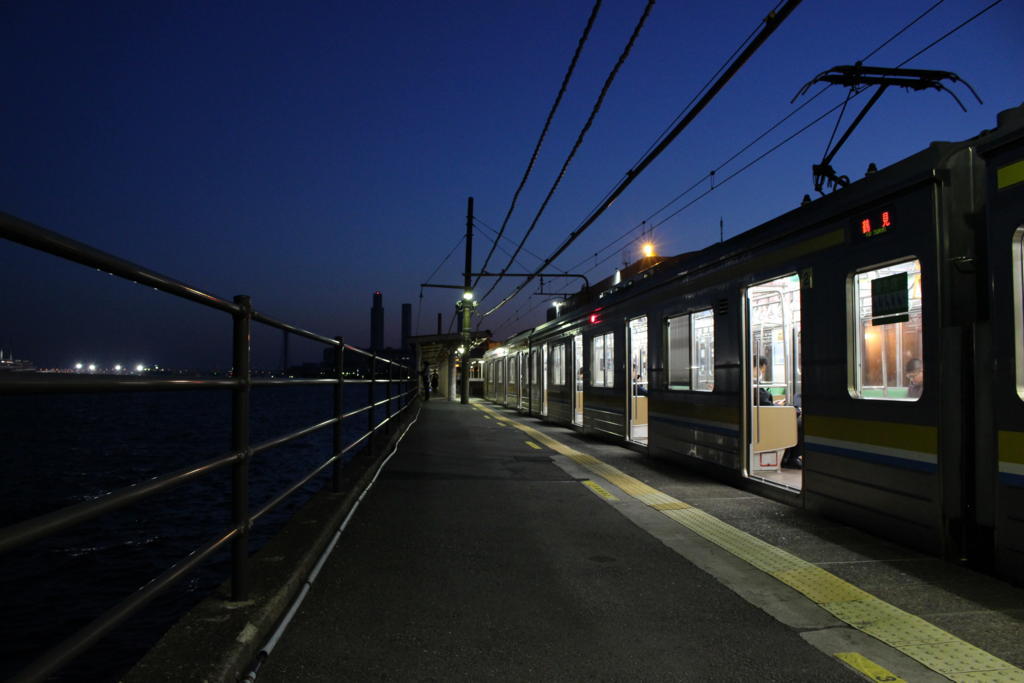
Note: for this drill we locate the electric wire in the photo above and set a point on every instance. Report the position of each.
(807, 102)
(786, 140)
(579, 139)
(771, 23)
(902, 31)
(494, 237)
(419, 308)
(547, 123)
(947, 34)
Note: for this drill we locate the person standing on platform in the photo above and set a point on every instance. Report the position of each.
(433, 382)
(425, 378)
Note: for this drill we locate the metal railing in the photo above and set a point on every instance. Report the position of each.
(242, 450)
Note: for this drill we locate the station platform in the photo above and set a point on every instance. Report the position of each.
(496, 547)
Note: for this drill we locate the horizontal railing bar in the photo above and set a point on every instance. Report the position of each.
(36, 383)
(368, 354)
(353, 413)
(73, 646)
(355, 443)
(381, 402)
(281, 440)
(30, 235)
(295, 382)
(58, 520)
(267, 320)
(294, 487)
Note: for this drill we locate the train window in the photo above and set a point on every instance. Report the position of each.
(602, 361)
(703, 349)
(1018, 305)
(558, 364)
(691, 351)
(887, 324)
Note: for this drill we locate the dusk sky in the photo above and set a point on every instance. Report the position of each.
(309, 153)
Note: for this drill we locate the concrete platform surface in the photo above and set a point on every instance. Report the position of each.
(481, 555)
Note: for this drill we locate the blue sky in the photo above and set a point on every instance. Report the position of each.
(309, 153)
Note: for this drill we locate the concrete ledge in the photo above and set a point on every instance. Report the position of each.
(218, 639)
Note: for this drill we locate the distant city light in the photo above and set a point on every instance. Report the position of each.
(92, 367)
(78, 366)
(139, 368)
(117, 368)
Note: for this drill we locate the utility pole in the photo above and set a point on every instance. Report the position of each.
(467, 304)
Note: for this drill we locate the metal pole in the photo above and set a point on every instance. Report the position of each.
(467, 307)
(371, 413)
(339, 409)
(240, 444)
(391, 367)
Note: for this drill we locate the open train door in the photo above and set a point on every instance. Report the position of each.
(775, 383)
(577, 374)
(636, 408)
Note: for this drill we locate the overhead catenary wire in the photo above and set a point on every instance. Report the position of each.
(807, 102)
(419, 307)
(771, 22)
(778, 145)
(494, 236)
(579, 139)
(547, 124)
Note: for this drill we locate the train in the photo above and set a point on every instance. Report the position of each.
(861, 356)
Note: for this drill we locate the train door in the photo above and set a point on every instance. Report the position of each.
(543, 378)
(637, 384)
(577, 373)
(774, 398)
(524, 381)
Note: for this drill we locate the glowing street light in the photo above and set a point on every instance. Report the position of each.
(92, 367)
(78, 366)
(117, 368)
(139, 368)
(467, 296)
(648, 249)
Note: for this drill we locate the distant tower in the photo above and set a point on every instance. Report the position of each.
(377, 323)
(406, 325)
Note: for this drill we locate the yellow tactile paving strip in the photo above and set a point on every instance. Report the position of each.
(868, 668)
(936, 649)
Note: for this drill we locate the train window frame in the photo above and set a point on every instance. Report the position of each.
(857, 335)
(688, 324)
(1017, 254)
(602, 361)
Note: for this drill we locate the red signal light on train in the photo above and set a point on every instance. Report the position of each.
(593, 318)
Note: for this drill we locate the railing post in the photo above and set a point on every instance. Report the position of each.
(339, 409)
(371, 420)
(391, 367)
(241, 359)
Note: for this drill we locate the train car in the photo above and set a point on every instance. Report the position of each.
(791, 359)
(995, 483)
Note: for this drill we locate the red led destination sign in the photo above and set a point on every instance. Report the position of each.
(875, 224)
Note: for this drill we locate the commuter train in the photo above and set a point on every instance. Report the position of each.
(861, 356)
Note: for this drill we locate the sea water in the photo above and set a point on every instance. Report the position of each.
(59, 450)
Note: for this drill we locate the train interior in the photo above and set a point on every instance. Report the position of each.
(638, 380)
(577, 373)
(773, 310)
(889, 356)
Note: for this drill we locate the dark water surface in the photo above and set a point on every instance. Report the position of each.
(59, 450)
